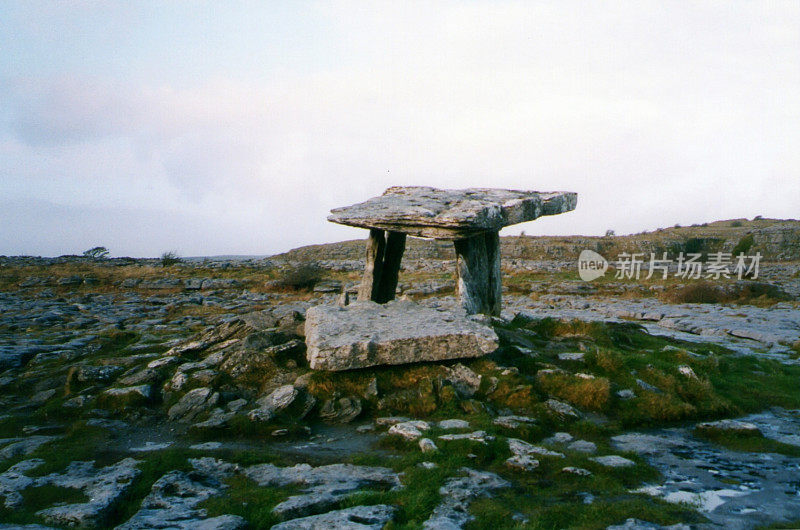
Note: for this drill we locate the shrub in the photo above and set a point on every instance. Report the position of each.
(743, 246)
(169, 258)
(96, 253)
(736, 224)
(699, 293)
(300, 277)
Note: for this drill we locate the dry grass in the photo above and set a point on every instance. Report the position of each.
(586, 394)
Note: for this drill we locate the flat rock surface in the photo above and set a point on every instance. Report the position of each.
(368, 334)
(451, 214)
(734, 489)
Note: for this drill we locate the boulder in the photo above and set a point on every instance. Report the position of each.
(192, 404)
(342, 410)
(367, 334)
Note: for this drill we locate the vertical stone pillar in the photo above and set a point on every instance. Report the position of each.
(373, 269)
(494, 288)
(392, 256)
(383, 256)
(478, 273)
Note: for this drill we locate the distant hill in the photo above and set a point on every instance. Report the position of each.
(775, 239)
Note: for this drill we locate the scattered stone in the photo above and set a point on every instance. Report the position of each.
(366, 334)
(42, 397)
(742, 428)
(426, 445)
(151, 446)
(571, 356)
(103, 487)
(410, 430)
(576, 471)
(206, 446)
(638, 524)
(14, 447)
(559, 438)
(14, 480)
(131, 396)
(562, 409)
(521, 447)
(453, 424)
(326, 486)
(477, 436)
(626, 393)
(687, 371)
(512, 422)
(465, 381)
(457, 493)
(390, 420)
(342, 410)
(522, 462)
(271, 404)
(173, 504)
(356, 518)
(194, 403)
(583, 446)
(647, 386)
(613, 461)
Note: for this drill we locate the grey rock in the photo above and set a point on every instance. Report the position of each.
(453, 424)
(576, 471)
(613, 461)
(14, 480)
(571, 356)
(388, 421)
(367, 334)
(512, 422)
(326, 486)
(173, 504)
(355, 518)
(194, 403)
(465, 381)
(582, 446)
(451, 214)
(562, 409)
(410, 430)
(342, 410)
(626, 393)
(521, 447)
(103, 487)
(426, 445)
(14, 447)
(476, 436)
(731, 426)
(457, 493)
(522, 462)
(638, 524)
(131, 395)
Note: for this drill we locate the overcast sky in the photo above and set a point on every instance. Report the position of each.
(233, 128)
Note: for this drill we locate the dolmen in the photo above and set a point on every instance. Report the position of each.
(376, 330)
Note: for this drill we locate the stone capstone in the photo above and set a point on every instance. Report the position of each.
(451, 214)
(367, 334)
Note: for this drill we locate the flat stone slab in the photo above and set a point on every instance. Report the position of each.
(367, 334)
(451, 214)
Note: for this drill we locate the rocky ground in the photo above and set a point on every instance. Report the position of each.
(140, 396)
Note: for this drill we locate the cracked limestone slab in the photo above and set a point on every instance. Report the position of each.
(451, 214)
(367, 334)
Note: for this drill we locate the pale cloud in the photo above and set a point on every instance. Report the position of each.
(653, 114)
